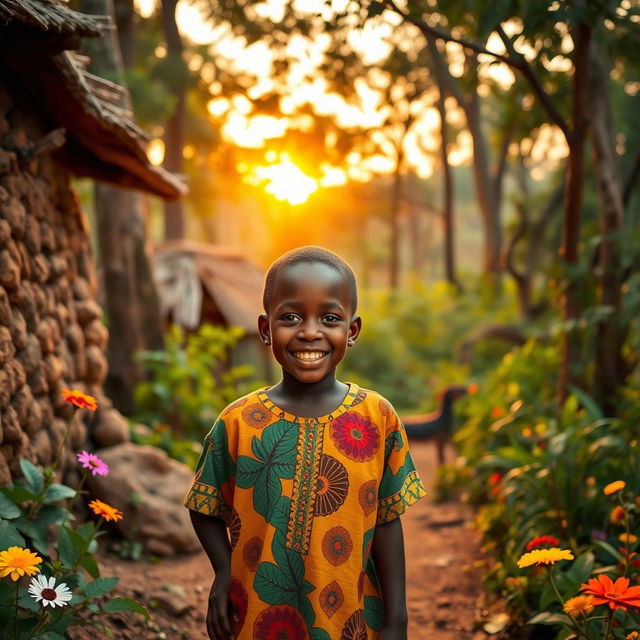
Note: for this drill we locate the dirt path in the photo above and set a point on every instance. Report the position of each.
(442, 590)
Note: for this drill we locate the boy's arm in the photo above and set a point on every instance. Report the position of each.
(388, 554)
(212, 533)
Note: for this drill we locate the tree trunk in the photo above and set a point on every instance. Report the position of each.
(484, 185)
(394, 222)
(124, 14)
(610, 369)
(570, 363)
(447, 193)
(132, 305)
(174, 131)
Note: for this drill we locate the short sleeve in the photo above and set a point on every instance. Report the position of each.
(400, 486)
(213, 485)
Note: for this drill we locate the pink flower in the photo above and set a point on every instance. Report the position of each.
(90, 461)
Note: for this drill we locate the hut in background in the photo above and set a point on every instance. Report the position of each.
(55, 120)
(207, 284)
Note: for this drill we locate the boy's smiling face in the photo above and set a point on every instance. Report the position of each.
(310, 321)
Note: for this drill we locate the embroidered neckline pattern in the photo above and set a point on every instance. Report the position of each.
(305, 479)
(290, 417)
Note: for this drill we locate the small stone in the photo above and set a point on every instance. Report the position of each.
(171, 601)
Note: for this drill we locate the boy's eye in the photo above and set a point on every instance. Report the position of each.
(289, 317)
(331, 317)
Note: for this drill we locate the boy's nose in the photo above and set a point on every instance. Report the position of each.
(310, 330)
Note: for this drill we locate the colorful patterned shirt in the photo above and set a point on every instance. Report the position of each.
(301, 498)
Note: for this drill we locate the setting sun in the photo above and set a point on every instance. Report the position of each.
(286, 182)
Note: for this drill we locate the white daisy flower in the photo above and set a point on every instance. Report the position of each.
(45, 589)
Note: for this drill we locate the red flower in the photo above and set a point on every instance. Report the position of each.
(541, 541)
(79, 399)
(618, 594)
(355, 436)
(280, 623)
(494, 478)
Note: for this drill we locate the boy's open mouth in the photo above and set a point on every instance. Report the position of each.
(309, 356)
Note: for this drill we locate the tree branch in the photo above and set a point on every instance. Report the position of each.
(518, 62)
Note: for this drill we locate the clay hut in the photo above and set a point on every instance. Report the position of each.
(203, 283)
(55, 120)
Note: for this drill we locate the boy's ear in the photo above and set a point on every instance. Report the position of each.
(354, 330)
(263, 328)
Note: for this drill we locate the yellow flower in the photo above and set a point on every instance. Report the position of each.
(578, 605)
(634, 635)
(16, 562)
(614, 487)
(628, 538)
(617, 514)
(105, 510)
(544, 556)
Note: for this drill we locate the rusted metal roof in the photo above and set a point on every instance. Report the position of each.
(183, 270)
(103, 142)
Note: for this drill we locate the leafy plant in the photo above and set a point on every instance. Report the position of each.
(191, 381)
(36, 513)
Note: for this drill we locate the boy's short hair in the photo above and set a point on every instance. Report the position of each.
(309, 254)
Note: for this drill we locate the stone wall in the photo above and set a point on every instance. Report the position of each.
(51, 332)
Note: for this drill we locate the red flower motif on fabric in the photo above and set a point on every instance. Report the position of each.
(337, 546)
(240, 601)
(355, 436)
(252, 552)
(368, 496)
(354, 628)
(280, 622)
(332, 486)
(331, 598)
(256, 415)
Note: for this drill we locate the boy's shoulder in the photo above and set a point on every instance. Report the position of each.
(374, 402)
(239, 405)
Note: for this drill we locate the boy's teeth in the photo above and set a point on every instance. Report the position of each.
(309, 355)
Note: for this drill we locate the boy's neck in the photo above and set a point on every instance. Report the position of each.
(308, 400)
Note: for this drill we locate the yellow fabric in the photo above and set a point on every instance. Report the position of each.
(301, 498)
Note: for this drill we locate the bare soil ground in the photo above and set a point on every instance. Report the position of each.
(444, 591)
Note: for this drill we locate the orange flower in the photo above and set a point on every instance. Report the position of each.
(80, 399)
(614, 487)
(617, 514)
(497, 412)
(105, 510)
(628, 538)
(17, 562)
(472, 389)
(578, 605)
(618, 594)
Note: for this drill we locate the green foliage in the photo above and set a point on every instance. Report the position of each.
(410, 340)
(532, 468)
(191, 381)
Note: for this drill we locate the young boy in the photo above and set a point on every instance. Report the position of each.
(309, 477)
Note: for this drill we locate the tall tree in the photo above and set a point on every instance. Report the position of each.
(132, 305)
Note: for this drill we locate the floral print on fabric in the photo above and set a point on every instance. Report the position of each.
(354, 628)
(280, 623)
(331, 598)
(357, 437)
(337, 546)
(332, 486)
(301, 498)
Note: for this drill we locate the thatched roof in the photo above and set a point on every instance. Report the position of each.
(184, 270)
(103, 142)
